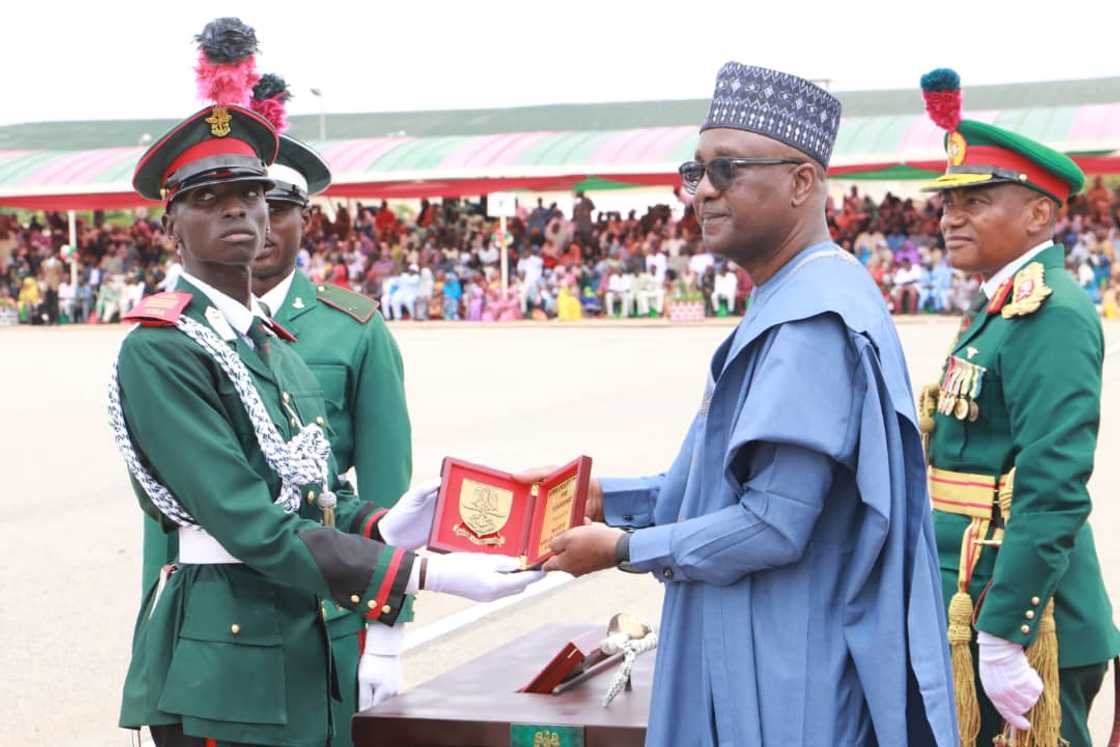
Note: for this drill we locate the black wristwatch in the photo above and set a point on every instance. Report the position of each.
(622, 553)
(622, 549)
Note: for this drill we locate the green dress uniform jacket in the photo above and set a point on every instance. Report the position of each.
(1038, 411)
(348, 347)
(241, 652)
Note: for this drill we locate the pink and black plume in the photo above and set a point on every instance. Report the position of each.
(227, 65)
(270, 98)
(941, 88)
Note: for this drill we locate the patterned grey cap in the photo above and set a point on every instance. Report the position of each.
(778, 105)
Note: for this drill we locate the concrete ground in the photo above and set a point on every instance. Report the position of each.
(512, 396)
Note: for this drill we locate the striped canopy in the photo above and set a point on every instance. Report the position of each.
(882, 147)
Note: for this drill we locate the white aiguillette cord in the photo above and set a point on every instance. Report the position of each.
(301, 461)
(630, 650)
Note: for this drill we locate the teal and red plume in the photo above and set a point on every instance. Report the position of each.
(227, 66)
(270, 98)
(941, 88)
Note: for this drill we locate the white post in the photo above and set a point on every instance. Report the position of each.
(73, 248)
(505, 253)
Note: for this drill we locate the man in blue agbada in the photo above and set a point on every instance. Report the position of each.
(792, 532)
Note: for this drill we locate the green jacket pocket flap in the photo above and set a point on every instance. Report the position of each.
(215, 613)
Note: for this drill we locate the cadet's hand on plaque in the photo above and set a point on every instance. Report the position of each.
(408, 523)
(594, 508)
(585, 549)
(1008, 680)
(476, 576)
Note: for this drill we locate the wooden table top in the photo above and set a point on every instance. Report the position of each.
(476, 703)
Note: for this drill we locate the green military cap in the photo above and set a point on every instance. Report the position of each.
(225, 142)
(980, 154)
(298, 172)
(216, 145)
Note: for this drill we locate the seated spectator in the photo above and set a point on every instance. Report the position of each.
(405, 293)
(424, 292)
(133, 292)
(657, 263)
(590, 302)
(724, 291)
(906, 288)
(879, 268)
(476, 300)
(84, 301)
(1110, 300)
(109, 299)
(1087, 279)
(700, 262)
(9, 310)
(965, 288)
(620, 290)
(568, 307)
(388, 288)
(452, 295)
(30, 302)
(649, 295)
(66, 296)
(942, 283)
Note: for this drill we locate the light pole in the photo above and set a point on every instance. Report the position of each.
(322, 115)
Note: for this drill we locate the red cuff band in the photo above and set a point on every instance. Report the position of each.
(386, 584)
(367, 527)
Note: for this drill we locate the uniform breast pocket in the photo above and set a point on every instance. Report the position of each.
(333, 379)
(227, 641)
(993, 412)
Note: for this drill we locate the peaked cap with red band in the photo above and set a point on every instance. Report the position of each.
(981, 154)
(216, 145)
(225, 142)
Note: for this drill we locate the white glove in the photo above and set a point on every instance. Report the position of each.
(408, 523)
(379, 669)
(482, 578)
(1008, 680)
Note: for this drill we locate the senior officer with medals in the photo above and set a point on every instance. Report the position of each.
(217, 420)
(1011, 430)
(348, 347)
(792, 532)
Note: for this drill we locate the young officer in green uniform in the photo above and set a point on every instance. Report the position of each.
(218, 421)
(348, 347)
(1011, 432)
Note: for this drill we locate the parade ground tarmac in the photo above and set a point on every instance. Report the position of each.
(509, 395)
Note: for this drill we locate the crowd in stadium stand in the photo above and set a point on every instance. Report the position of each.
(442, 260)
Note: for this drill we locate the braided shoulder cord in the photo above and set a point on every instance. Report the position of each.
(303, 460)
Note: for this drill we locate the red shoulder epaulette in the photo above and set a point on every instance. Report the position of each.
(159, 310)
(282, 333)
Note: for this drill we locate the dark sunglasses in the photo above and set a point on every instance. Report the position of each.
(721, 171)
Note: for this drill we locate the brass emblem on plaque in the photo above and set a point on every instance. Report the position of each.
(219, 120)
(484, 510)
(546, 739)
